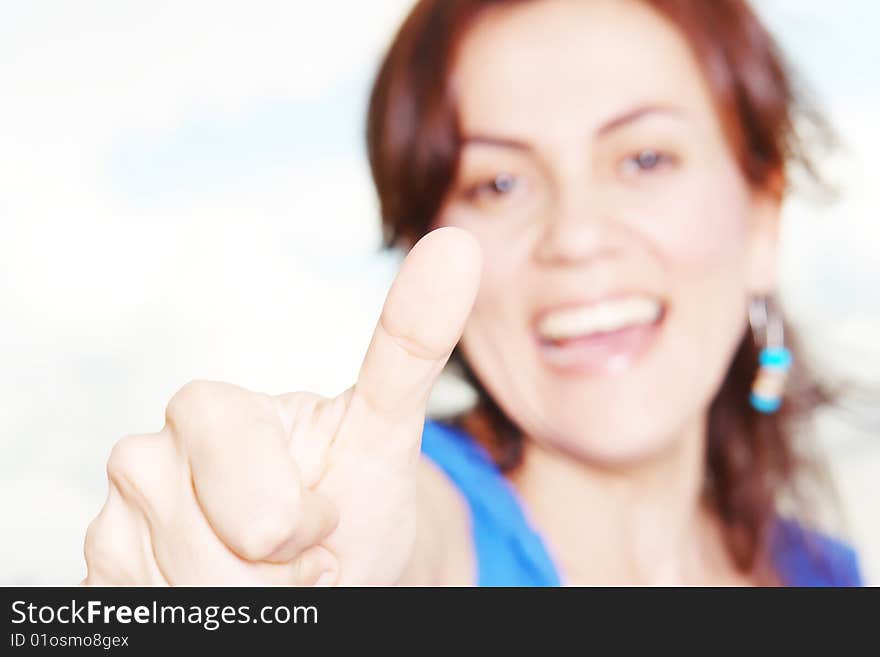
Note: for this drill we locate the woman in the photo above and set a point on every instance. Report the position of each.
(606, 177)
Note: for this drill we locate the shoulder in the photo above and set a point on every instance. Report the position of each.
(508, 551)
(806, 557)
(455, 452)
(465, 462)
(443, 547)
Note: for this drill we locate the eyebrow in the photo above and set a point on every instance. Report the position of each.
(611, 125)
(638, 113)
(499, 142)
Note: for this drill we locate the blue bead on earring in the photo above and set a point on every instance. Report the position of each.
(774, 360)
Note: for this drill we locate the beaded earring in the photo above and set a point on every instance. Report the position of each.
(774, 359)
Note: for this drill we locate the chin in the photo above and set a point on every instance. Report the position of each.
(625, 417)
(611, 417)
(612, 438)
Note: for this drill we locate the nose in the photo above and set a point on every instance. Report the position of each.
(578, 229)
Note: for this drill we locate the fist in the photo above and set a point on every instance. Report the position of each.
(247, 488)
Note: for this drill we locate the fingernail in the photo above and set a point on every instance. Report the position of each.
(327, 578)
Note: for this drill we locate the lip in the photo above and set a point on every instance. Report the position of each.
(601, 353)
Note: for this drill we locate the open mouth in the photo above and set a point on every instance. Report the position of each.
(602, 337)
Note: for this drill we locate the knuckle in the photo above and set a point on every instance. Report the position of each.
(94, 545)
(147, 472)
(127, 459)
(271, 533)
(406, 339)
(100, 550)
(194, 399)
(315, 566)
(115, 544)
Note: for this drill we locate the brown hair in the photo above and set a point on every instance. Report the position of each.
(413, 145)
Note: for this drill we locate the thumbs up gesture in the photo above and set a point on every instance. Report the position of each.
(246, 488)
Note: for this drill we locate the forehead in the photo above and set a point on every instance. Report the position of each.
(552, 65)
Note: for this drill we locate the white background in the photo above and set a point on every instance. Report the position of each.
(184, 194)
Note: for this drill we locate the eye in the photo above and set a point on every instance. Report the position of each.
(499, 186)
(645, 161)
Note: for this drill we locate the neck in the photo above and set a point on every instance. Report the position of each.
(641, 523)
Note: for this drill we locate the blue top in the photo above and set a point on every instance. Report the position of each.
(510, 553)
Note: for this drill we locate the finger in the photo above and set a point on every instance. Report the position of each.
(142, 468)
(180, 540)
(244, 479)
(117, 547)
(317, 517)
(150, 475)
(189, 553)
(421, 322)
(310, 422)
(317, 566)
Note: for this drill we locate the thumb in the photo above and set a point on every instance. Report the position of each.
(421, 322)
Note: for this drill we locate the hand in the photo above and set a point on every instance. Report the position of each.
(246, 488)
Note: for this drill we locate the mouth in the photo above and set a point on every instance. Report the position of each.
(602, 337)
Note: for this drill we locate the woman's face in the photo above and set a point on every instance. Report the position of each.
(621, 240)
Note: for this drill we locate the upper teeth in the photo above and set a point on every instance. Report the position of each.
(601, 317)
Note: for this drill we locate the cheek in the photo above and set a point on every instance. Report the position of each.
(704, 246)
(505, 255)
(495, 328)
(702, 227)
(496, 305)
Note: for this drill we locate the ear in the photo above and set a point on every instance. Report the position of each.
(764, 229)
